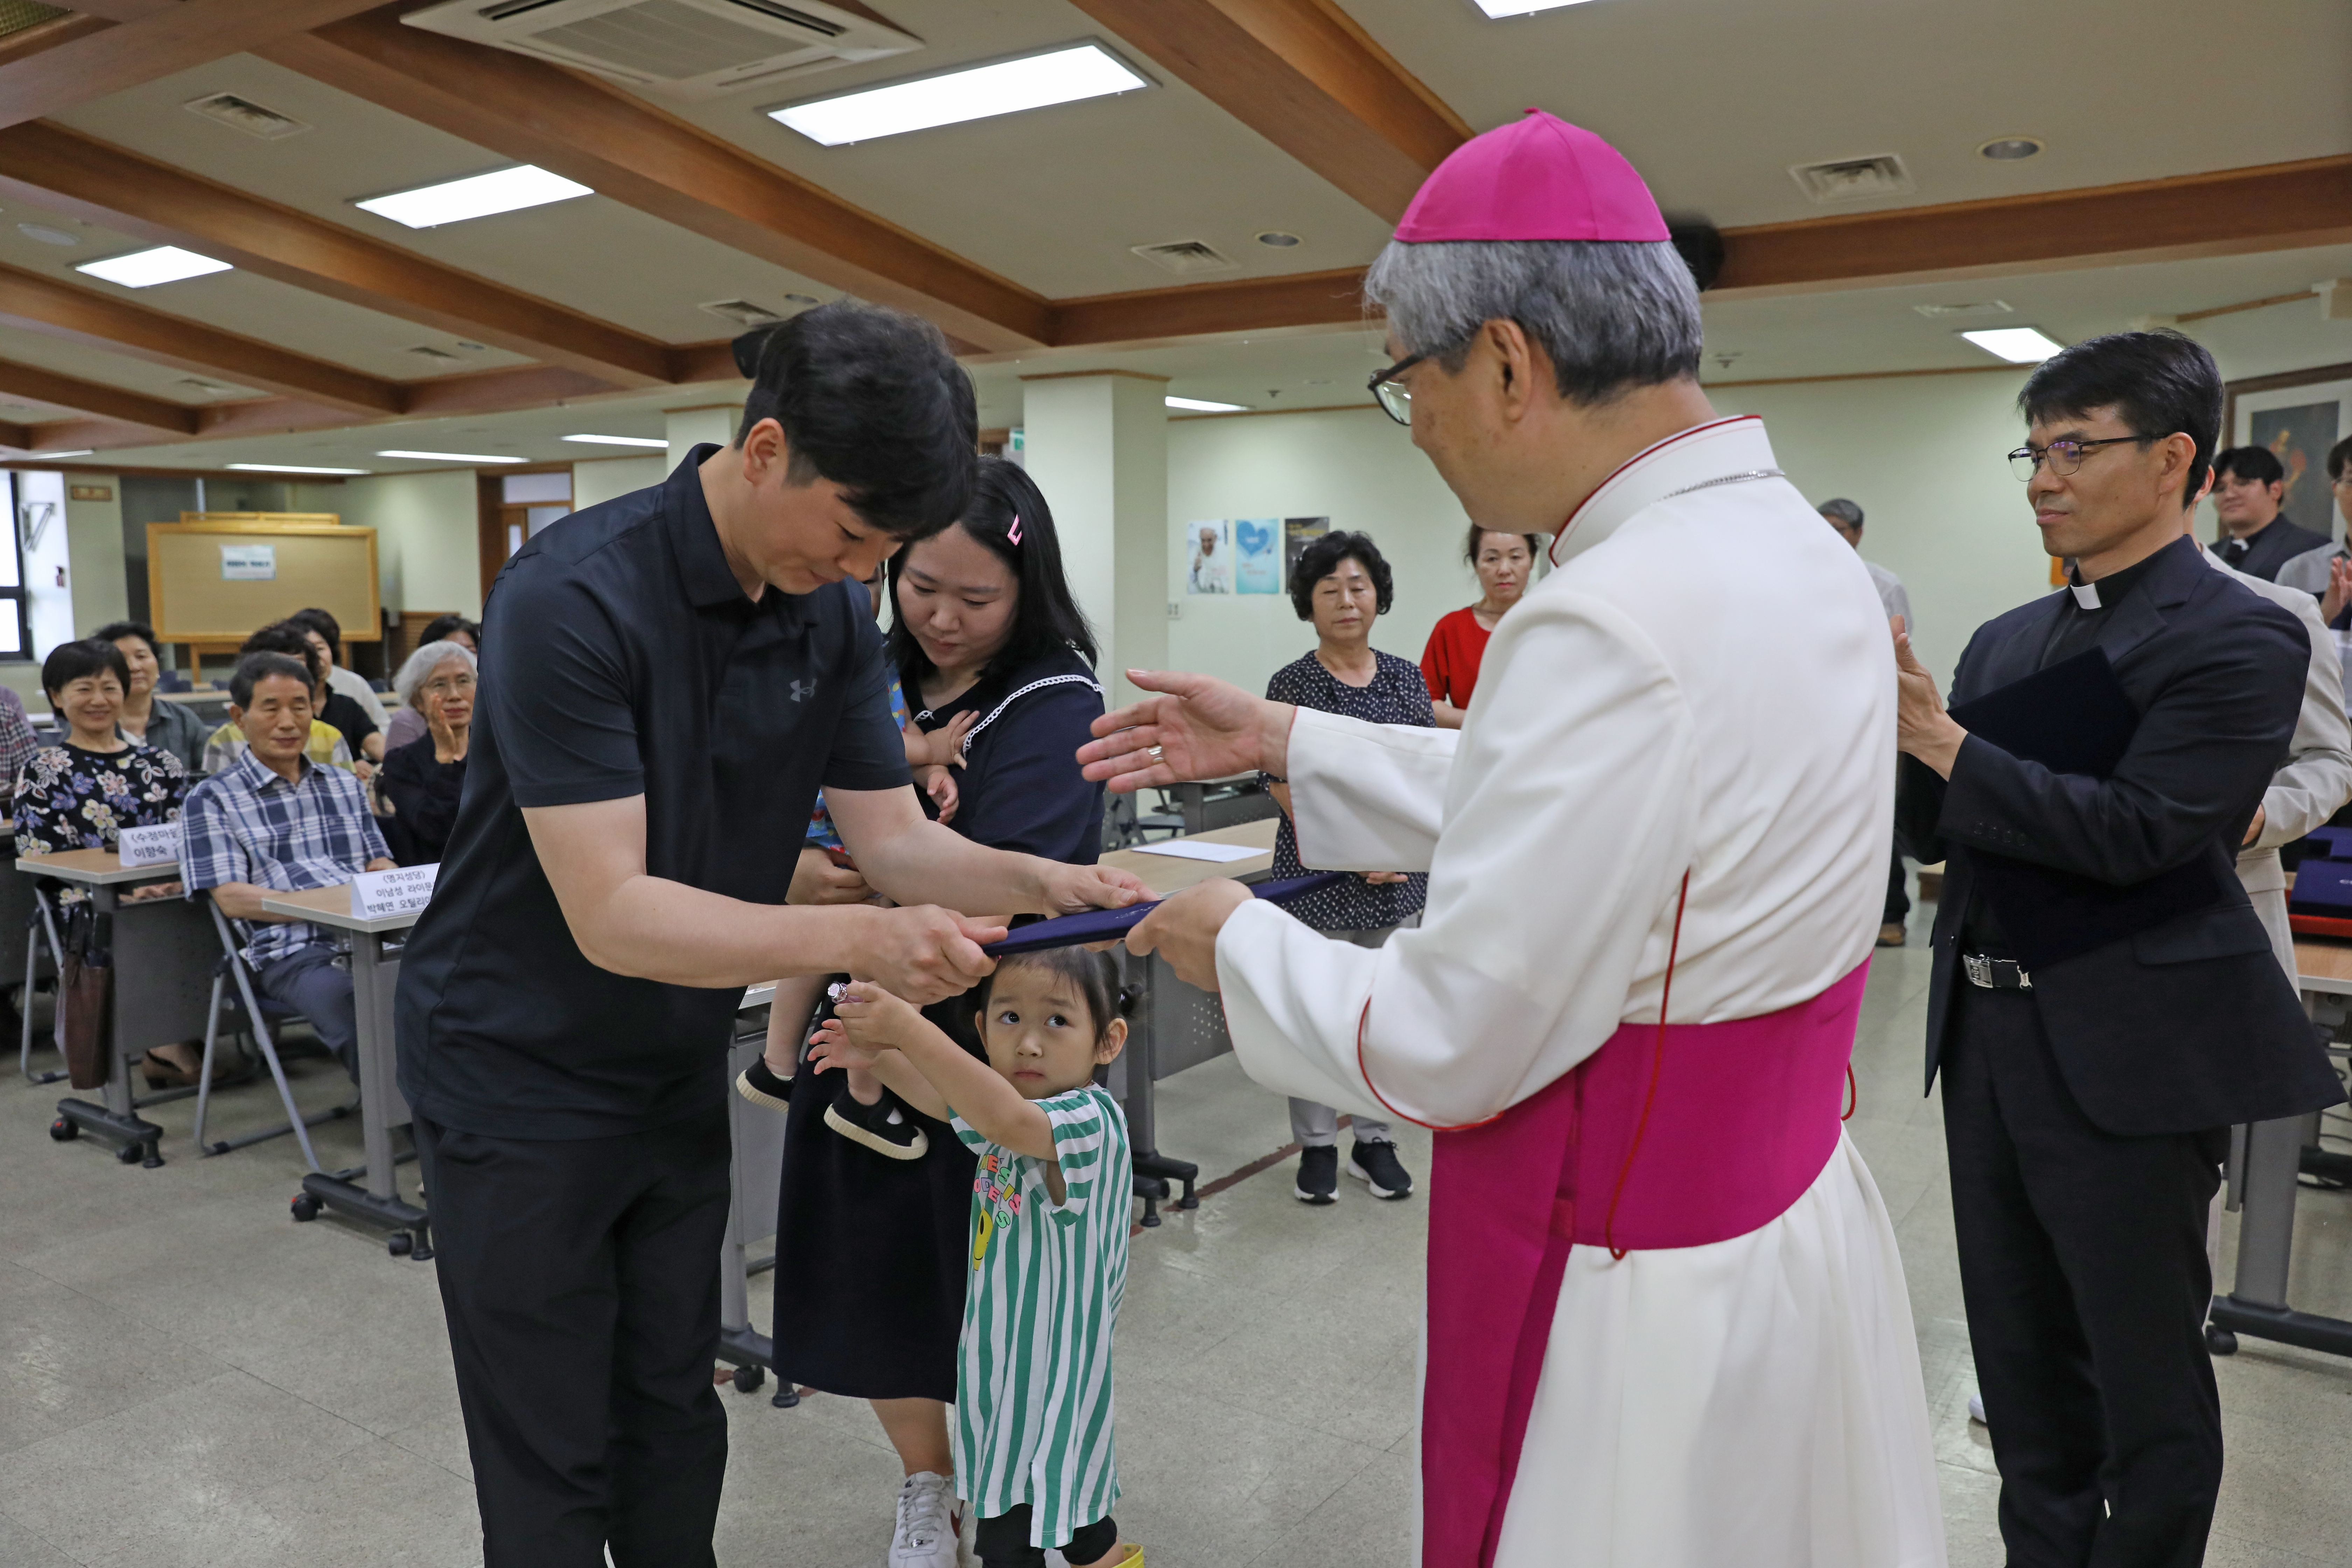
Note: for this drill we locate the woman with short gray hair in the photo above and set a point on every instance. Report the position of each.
(423, 780)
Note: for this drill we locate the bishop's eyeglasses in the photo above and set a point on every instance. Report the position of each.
(2065, 457)
(1394, 396)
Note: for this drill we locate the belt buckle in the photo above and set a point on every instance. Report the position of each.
(1996, 973)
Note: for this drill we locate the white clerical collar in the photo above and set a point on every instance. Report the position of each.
(2085, 595)
(1685, 459)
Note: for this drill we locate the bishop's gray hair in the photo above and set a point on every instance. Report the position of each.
(1612, 315)
(1842, 511)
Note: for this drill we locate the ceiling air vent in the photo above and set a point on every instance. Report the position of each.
(1968, 308)
(439, 356)
(683, 48)
(244, 114)
(1853, 179)
(742, 312)
(208, 388)
(1185, 256)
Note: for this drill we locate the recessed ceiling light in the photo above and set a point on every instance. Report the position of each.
(976, 92)
(47, 234)
(1201, 406)
(478, 195)
(620, 440)
(146, 268)
(2008, 149)
(1521, 7)
(1279, 240)
(289, 469)
(452, 456)
(77, 452)
(2018, 345)
(1968, 308)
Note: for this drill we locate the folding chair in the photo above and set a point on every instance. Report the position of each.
(257, 1011)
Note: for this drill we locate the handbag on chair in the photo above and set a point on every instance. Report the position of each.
(86, 997)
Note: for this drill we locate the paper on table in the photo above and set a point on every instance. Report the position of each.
(1194, 850)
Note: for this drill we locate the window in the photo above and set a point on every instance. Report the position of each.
(16, 631)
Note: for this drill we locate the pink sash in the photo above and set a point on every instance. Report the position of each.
(1743, 1118)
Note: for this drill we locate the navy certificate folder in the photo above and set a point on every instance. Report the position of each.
(2073, 718)
(1103, 925)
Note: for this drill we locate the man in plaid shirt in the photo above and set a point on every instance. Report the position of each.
(274, 821)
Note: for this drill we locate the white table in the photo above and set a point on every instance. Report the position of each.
(1173, 1025)
(163, 955)
(376, 979)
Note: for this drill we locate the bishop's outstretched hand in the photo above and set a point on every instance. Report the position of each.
(1202, 728)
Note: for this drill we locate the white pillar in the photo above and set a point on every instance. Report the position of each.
(714, 423)
(1097, 444)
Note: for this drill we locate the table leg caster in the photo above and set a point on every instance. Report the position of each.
(2221, 1341)
(64, 1130)
(305, 1209)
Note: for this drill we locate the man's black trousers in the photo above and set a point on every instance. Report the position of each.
(2082, 1265)
(581, 1281)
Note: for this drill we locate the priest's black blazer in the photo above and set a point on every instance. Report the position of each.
(2190, 1024)
(2278, 543)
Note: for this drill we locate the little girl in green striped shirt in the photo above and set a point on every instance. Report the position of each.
(1033, 1454)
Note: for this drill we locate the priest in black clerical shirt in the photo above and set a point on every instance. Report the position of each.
(2249, 486)
(2105, 1002)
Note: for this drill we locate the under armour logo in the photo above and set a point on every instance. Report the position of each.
(803, 689)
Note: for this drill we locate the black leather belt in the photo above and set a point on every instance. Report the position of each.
(1996, 973)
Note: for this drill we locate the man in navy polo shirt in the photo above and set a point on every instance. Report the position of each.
(667, 679)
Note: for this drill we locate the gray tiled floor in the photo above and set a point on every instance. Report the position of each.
(187, 1377)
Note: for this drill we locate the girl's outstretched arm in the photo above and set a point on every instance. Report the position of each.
(875, 1020)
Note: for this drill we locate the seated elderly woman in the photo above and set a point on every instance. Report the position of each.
(82, 795)
(423, 779)
(406, 723)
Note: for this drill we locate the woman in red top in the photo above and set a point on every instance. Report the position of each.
(1504, 562)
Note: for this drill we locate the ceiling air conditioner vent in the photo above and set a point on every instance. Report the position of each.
(682, 49)
(244, 114)
(1853, 179)
(1185, 256)
(742, 312)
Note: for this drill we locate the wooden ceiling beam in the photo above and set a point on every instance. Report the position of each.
(1303, 75)
(2230, 212)
(38, 385)
(22, 436)
(43, 36)
(626, 149)
(50, 165)
(1212, 310)
(60, 309)
(96, 62)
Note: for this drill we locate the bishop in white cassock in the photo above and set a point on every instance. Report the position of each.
(1667, 1322)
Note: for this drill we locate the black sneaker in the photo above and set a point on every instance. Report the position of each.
(1318, 1175)
(1376, 1166)
(759, 1084)
(881, 1126)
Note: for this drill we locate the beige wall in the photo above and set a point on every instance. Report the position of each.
(94, 534)
(427, 543)
(1923, 456)
(604, 479)
(1359, 468)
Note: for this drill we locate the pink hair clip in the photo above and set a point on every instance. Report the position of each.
(1015, 534)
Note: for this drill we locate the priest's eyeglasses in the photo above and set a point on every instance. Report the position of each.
(2063, 457)
(1394, 396)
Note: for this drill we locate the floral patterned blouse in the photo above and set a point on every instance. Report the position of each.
(69, 798)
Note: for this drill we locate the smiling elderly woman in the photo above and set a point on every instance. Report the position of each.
(424, 779)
